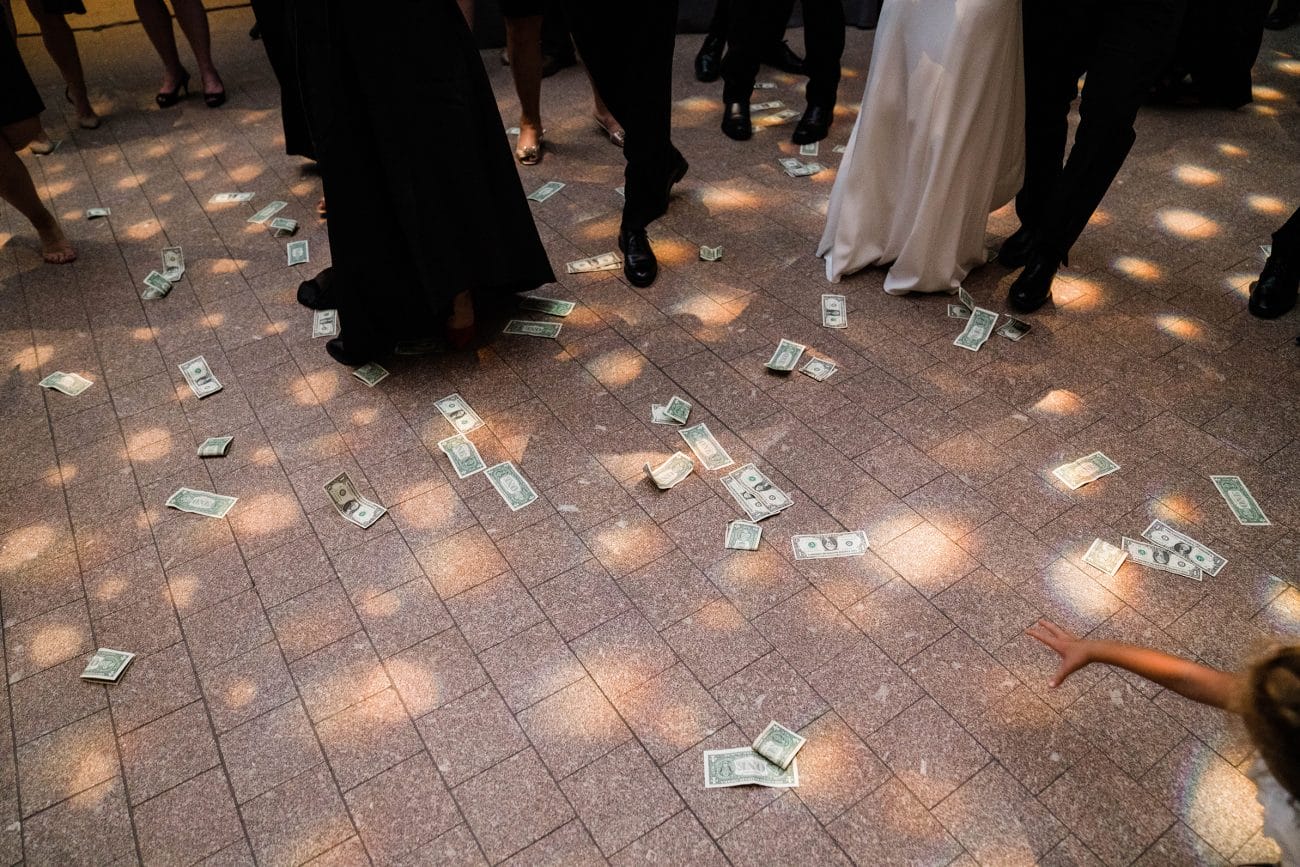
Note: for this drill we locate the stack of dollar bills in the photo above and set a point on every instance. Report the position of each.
(769, 761)
(676, 411)
(1161, 547)
(756, 493)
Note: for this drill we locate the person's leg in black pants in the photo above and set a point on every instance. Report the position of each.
(557, 47)
(823, 23)
(708, 62)
(754, 23)
(1275, 292)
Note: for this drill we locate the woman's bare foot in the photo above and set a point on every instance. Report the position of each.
(321, 210)
(41, 145)
(86, 116)
(55, 246)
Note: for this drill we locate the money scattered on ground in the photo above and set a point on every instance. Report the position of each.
(1088, 468)
(755, 492)
(1267, 249)
(71, 384)
(215, 447)
(1159, 558)
(203, 503)
(603, 262)
(977, 330)
(835, 312)
(464, 456)
(156, 286)
(1160, 533)
(766, 106)
(350, 504)
(818, 368)
(840, 149)
(706, 448)
(671, 472)
(1105, 556)
(783, 116)
(809, 150)
(678, 409)
(511, 485)
(765, 85)
(267, 211)
(107, 665)
(827, 545)
(283, 226)
(95, 213)
(513, 130)
(778, 744)
(371, 374)
(173, 262)
(533, 329)
(796, 169)
(199, 376)
(622, 191)
(549, 306)
(787, 355)
(227, 198)
(744, 767)
(710, 254)
(545, 191)
(1239, 500)
(743, 536)
(455, 410)
(965, 298)
(958, 311)
(298, 252)
(659, 414)
(324, 323)
(1014, 328)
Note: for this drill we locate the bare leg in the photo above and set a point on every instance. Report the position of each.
(61, 45)
(17, 189)
(467, 9)
(193, 19)
(603, 115)
(157, 23)
(524, 41)
(462, 311)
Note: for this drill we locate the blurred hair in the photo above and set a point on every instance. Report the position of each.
(1271, 709)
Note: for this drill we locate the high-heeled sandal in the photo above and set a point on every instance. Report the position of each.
(617, 137)
(168, 98)
(91, 122)
(531, 155)
(214, 99)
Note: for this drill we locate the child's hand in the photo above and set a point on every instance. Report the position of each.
(1073, 650)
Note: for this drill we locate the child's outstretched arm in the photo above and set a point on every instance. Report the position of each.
(1188, 679)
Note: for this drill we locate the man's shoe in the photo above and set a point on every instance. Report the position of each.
(779, 56)
(735, 121)
(1016, 249)
(639, 263)
(319, 293)
(708, 63)
(1034, 285)
(813, 126)
(1274, 293)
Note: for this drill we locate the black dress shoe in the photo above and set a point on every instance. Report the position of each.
(1274, 293)
(318, 292)
(639, 263)
(1034, 285)
(813, 126)
(708, 63)
(735, 121)
(353, 353)
(1016, 249)
(553, 63)
(779, 56)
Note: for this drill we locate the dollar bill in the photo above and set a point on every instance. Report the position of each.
(766, 106)
(743, 536)
(958, 311)
(1014, 329)
(533, 329)
(203, 503)
(1105, 556)
(324, 323)
(350, 504)
(1088, 468)
(744, 767)
(765, 85)
(819, 369)
(755, 481)
(513, 130)
(622, 191)
(806, 170)
(1239, 500)
(298, 252)
(977, 330)
(107, 665)
(266, 212)
(511, 485)
(786, 356)
(790, 164)
(156, 286)
(751, 502)
(965, 298)
(835, 312)
(827, 545)
(173, 263)
(1159, 558)
(839, 149)
(455, 410)
(671, 472)
(199, 376)
(710, 254)
(215, 447)
(227, 198)
(778, 744)
(1160, 533)
(371, 374)
(603, 262)
(464, 456)
(706, 448)
(96, 213)
(1267, 249)
(678, 409)
(781, 117)
(71, 384)
(283, 226)
(659, 415)
(809, 150)
(545, 191)
(549, 306)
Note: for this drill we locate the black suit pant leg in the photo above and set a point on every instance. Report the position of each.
(754, 25)
(823, 37)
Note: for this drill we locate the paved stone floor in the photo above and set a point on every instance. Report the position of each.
(462, 684)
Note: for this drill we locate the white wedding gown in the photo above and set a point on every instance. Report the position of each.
(938, 145)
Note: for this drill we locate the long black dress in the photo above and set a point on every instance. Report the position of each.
(425, 201)
(18, 97)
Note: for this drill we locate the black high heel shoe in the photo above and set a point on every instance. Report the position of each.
(168, 98)
(214, 100)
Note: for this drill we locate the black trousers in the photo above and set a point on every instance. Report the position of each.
(628, 48)
(1122, 45)
(1218, 47)
(757, 24)
(1286, 240)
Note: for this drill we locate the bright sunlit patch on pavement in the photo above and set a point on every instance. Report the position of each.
(1228, 149)
(1196, 176)
(144, 231)
(1138, 269)
(1186, 224)
(1058, 401)
(1264, 93)
(617, 368)
(1267, 204)
(1176, 326)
